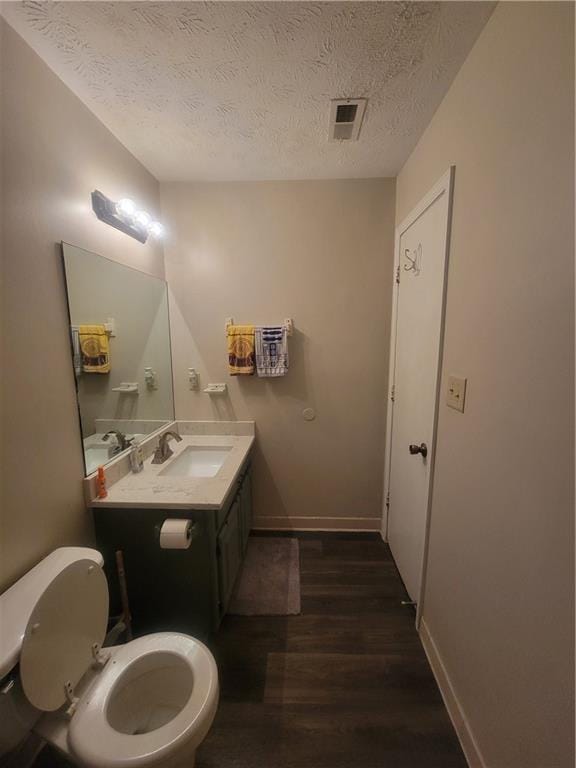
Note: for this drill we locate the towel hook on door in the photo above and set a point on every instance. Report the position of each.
(414, 261)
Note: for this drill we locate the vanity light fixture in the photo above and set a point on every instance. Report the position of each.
(126, 207)
(143, 218)
(156, 229)
(125, 216)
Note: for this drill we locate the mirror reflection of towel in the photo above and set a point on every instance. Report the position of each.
(241, 350)
(271, 351)
(95, 348)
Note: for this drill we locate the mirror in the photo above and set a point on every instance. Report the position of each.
(120, 343)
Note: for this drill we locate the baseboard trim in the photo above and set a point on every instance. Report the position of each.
(455, 711)
(365, 524)
(315, 535)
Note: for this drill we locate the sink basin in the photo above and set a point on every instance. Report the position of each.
(96, 455)
(197, 461)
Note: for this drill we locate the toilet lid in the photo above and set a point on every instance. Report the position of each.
(69, 617)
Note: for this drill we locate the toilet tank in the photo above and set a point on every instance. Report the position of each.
(17, 716)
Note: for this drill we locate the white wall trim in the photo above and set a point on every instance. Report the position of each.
(391, 377)
(455, 710)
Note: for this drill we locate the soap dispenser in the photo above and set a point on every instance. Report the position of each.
(137, 459)
(193, 378)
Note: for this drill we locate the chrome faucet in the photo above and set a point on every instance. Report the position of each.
(164, 451)
(123, 441)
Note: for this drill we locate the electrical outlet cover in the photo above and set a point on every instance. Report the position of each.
(456, 394)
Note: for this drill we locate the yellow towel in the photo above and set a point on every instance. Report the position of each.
(95, 348)
(241, 357)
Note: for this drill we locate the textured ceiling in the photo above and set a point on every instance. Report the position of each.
(235, 90)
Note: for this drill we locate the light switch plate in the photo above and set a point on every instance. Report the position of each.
(456, 394)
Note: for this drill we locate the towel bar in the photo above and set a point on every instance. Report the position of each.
(288, 323)
(109, 325)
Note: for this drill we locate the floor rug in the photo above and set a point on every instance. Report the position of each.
(269, 584)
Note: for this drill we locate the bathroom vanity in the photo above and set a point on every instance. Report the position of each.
(207, 481)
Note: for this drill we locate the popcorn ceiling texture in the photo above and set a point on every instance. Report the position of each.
(235, 90)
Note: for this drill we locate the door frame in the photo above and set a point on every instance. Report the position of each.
(444, 185)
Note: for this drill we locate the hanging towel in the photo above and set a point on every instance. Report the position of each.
(76, 353)
(241, 350)
(95, 348)
(271, 351)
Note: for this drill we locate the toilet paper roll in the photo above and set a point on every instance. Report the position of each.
(176, 534)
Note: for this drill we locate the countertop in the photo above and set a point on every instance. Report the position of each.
(150, 489)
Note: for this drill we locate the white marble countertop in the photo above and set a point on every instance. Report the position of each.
(150, 489)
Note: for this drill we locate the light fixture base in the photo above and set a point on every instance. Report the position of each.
(105, 210)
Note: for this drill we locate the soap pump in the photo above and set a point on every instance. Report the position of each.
(193, 378)
(137, 459)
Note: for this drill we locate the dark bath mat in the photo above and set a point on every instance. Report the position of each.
(270, 580)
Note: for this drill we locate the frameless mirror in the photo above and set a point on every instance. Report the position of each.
(120, 343)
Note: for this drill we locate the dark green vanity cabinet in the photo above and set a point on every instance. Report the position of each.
(183, 590)
(229, 554)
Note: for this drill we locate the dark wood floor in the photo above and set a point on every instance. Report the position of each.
(344, 685)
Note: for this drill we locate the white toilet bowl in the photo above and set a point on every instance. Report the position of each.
(148, 703)
(151, 705)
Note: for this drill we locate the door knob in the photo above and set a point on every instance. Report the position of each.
(415, 449)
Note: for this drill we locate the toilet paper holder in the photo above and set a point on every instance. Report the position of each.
(192, 533)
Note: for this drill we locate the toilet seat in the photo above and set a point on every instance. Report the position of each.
(97, 743)
(63, 634)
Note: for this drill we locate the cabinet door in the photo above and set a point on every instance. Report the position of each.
(229, 554)
(246, 509)
(170, 590)
(223, 512)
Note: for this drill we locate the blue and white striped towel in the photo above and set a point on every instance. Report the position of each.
(271, 351)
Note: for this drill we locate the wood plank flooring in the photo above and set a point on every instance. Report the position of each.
(344, 685)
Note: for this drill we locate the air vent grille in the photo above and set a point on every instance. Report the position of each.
(346, 113)
(346, 119)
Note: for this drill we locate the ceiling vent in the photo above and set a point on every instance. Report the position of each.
(346, 118)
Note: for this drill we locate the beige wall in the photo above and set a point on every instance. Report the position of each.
(320, 252)
(54, 153)
(498, 600)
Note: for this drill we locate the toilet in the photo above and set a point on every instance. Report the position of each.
(150, 702)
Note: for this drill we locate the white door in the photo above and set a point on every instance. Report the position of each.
(421, 257)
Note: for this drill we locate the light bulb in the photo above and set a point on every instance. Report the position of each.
(143, 218)
(156, 229)
(126, 207)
